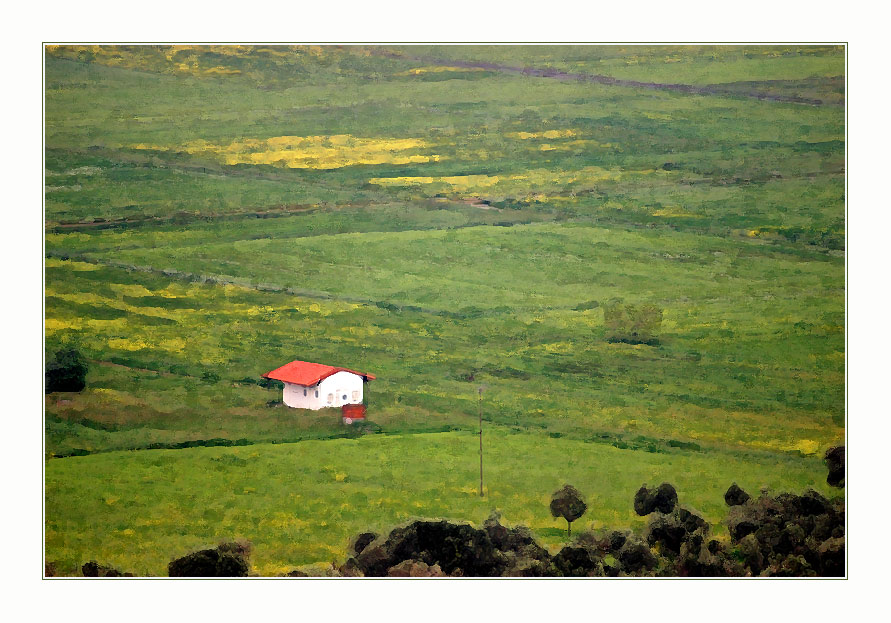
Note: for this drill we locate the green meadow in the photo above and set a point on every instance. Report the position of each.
(300, 504)
(425, 215)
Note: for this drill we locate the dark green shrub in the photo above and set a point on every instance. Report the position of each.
(226, 561)
(270, 383)
(210, 377)
(93, 569)
(458, 549)
(662, 499)
(735, 496)
(568, 504)
(362, 541)
(632, 324)
(790, 535)
(66, 372)
(835, 461)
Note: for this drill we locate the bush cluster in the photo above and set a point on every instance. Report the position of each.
(228, 560)
(93, 569)
(632, 324)
(790, 535)
(442, 548)
(786, 535)
(662, 499)
(66, 372)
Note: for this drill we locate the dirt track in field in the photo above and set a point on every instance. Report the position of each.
(608, 80)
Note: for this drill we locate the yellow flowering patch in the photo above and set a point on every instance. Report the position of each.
(197, 60)
(174, 345)
(120, 343)
(675, 212)
(172, 292)
(417, 71)
(134, 290)
(309, 152)
(225, 50)
(82, 298)
(527, 186)
(151, 58)
(457, 182)
(229, 290)
(656, 116)
(220, 71)
(806, 446)
(283, 521)
(52, 262)
(115, 324)
(61, 239)
(54, 325)
(584, 144)
(559, 347)
(546, 198)
(549, 134)
(256, 310)
(86, 298)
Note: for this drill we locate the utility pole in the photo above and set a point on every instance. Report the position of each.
(481, 439)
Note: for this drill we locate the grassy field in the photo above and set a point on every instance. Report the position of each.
(300, 504)
(433, 217)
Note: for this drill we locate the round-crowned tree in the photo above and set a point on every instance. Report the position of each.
(568, 504)
(67, 372)
(835, 461)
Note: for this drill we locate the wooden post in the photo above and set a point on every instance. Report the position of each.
(481, 440)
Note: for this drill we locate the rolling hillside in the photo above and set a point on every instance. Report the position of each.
(445, 218)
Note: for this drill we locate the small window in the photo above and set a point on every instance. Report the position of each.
(317, 393)
(344, 396)
(356, 395)
(304, 392)
(330, 398)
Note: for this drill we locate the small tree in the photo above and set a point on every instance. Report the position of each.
(835, 461)
(663, 499)
(632, 324)
(568, 504)
(66, 372)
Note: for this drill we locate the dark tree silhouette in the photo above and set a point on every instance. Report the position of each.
(643, 501)
(663, 499)
(226, 561)
(735, 496)
(66, 372)
(835, 461)
(568, 504)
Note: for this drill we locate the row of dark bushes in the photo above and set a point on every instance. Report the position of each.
(785, 535)
(770, 536)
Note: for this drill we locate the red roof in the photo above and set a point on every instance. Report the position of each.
(307, 373)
